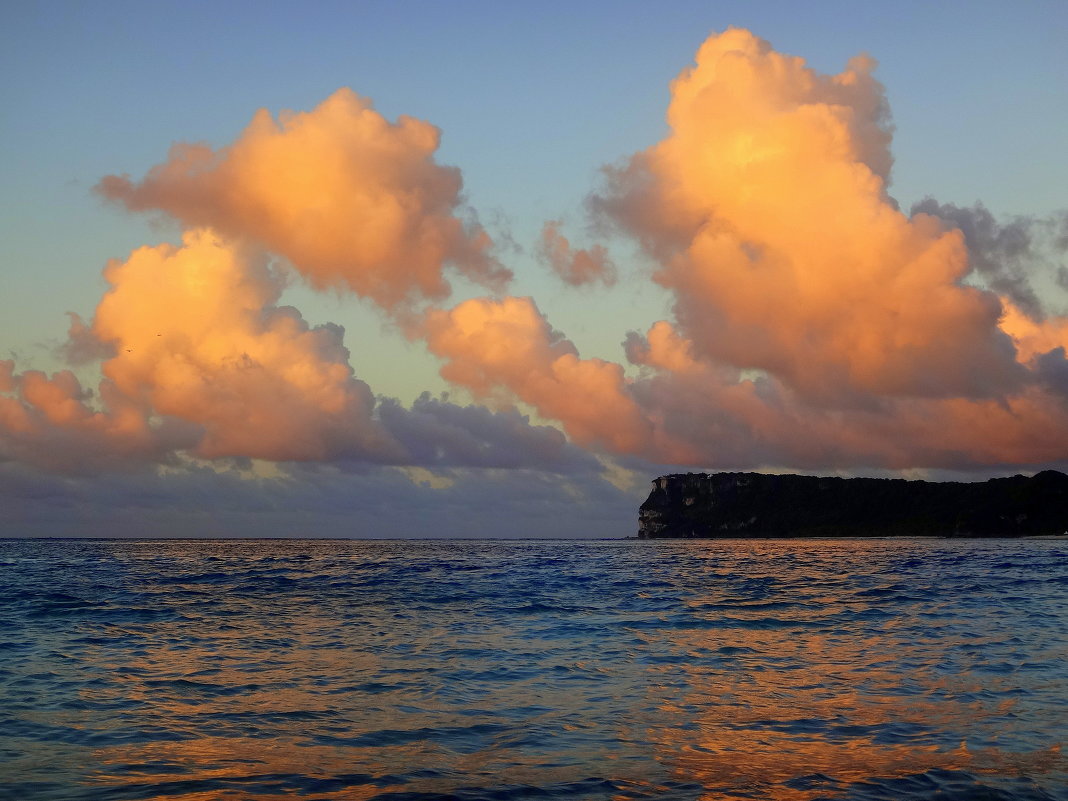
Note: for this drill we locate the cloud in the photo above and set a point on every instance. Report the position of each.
(732, 422)
(505, 348)
(435, 432)
(348, 198)
(49, 422)
(201, 361)
(574, 267)
(1053, 367)
(766, 209)
(197, 345)
(198, 336)
(815, 324)
(1032, 337)
(1009, 256)
(81, 346)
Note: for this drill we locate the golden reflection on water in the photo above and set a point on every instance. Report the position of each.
(309, 683)
(820, 704)
(232, 658)
(729, 709)
(713, 686)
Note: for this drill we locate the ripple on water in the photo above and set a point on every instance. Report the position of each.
(394, 670)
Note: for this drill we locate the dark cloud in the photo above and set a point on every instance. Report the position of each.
(53, 423)
(435, 432)
(1062, 277)
(1052, 367)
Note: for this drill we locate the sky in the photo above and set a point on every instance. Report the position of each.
(485, 269)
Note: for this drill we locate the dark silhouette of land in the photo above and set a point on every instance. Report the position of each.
(699, 505)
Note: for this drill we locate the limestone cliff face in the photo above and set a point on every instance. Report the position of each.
(699, 505)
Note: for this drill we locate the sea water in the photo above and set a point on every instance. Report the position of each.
(801, 669)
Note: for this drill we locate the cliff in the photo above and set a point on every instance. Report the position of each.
(698, 505)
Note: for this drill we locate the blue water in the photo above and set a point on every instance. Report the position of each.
(196, 670)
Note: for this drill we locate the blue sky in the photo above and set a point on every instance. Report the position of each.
(532, 101)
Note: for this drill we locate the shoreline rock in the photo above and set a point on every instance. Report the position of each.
(720, 505)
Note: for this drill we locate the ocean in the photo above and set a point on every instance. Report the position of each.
(466, 669)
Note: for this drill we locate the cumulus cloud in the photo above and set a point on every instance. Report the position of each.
(51, 423)
(198, 336)
(1008, 256)
(1033, 337)
(349, 198)
(1052, 366)
(684, 409)
(815, 324)
(81, 346)
(767, 211)
(574, 267)
(731, 421)
(505, 348)
(200, 360)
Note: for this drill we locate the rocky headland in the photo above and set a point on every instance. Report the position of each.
(701, 505)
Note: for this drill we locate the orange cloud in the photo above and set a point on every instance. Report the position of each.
(199, 347)
(199, 358)
(49, 422)
(495, 345)
(682, 410)
(349, 198)
(766, 207)
(731, 421)
(1033, 338)
(197, 336)
(815, 324)
(575, 267)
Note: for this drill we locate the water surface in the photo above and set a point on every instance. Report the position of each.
(803, 669)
